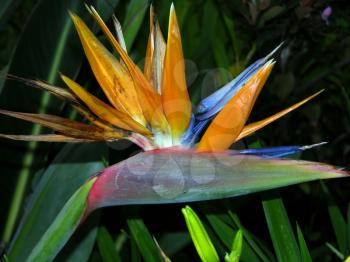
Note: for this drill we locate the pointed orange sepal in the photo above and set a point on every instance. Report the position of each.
(175, 98)
(69, 127)
(150, 99)
(104, 111)
(251, 128)
(155, 53)
(46, 138)
(114, 79)
(228, 124)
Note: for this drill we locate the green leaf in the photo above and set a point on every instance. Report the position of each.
(7, 7)
(172, 243)
(304, 251)
(270, 14)
(335, 251)
(135, 253)
(80, 245)
(200, 237)
(3, 72)
(48, 45)
(63, 226)
(236, 250)
(339, 227)
(249, 238)
(74, 164)
(106, 246)
(143, 240)
(281, 232)
(226, 234)
(135, 14)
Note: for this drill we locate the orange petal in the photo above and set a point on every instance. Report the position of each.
(104, 111)
(45, 138)
(114, 79)
(69, 127)
(151, 104)
(229, 122)
(251, 128)
(156, 46)
(175, 98)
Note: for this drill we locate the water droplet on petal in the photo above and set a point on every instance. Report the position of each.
(140, 164)
(202, 170)
(169, 181)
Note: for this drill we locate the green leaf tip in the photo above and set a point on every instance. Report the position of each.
(236, 250)
(199, 235)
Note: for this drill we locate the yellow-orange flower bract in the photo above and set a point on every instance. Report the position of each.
(151, 108)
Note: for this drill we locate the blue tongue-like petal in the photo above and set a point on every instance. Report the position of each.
(212, 104)
(274, 152)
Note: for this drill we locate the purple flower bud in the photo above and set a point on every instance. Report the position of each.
(326, 13)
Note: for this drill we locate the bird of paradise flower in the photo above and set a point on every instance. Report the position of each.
(151, 108)
(187, 156)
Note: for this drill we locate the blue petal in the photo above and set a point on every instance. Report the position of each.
(189, 132)
(211, 105)
(273, 152)
(191, 135)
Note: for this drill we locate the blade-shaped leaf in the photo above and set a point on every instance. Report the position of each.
(106, 246)
(75, 163)
(281, 232)
(143, 240)
(304, 251)
(81, 244)
(135, 14)
(199, 235)
(53, 47)
(226, 234)
(62, 227)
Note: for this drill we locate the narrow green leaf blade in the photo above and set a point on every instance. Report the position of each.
(226, 234)
(339, 227)
(143, 240)
(200, 237)
(48, 44)
(81, 244)
(106, 246)
(248, 237)
(236, 250)
(281, 232)
(63, 226)
(135, 14)
(74, 164)
(304, 251)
